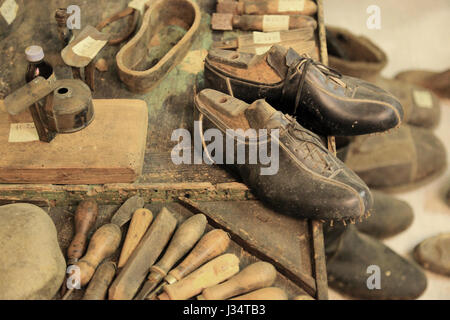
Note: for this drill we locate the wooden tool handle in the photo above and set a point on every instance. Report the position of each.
(255, 276)
(103, 244)
(270, 293)
(142, 218)
(85, 216)
(210, 274)
(277, 7)
(100, 282)
(303, 297)
(185, 237)
(270, 23)
(210, 246)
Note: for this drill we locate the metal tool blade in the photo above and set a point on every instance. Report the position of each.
(124, 213)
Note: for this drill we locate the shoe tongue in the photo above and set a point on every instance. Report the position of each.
(259, 114)
(280, 59)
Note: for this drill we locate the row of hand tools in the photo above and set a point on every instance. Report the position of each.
(206, 272)
(289, 23)
(264, 15)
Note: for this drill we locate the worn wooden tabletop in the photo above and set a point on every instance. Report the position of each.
(169, 107)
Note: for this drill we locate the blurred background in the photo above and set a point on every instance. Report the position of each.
(415, 35)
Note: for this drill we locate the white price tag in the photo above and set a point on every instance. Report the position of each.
(275, 23)
(291, 5)
(138, 5)
(23, 132)
(266, 37)
(423, 98)
(262, 50)
(9, 10)
(88, 47)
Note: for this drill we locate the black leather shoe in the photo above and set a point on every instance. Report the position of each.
(389, 216)
(308, 180)
(322, 99)
(355, 261)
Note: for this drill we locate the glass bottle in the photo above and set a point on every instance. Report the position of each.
(37, 66)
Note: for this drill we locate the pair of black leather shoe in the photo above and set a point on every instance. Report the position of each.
(310, 182)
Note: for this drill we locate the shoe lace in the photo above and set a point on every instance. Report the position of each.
(293, 126)
(306, 62)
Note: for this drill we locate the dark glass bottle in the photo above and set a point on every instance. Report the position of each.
(39, 67)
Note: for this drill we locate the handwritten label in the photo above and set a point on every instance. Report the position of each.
(9, 10)
(275, 23)
(262, 50)
(291, 5)
(23, 132)
(138, 5)
(423, 99)
(88, 47)
(266, 37)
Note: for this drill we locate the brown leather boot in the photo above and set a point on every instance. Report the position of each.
(359, 57)
(389, 216)
(403, 159)
(434, 254)
(309, 181)
(438, 82)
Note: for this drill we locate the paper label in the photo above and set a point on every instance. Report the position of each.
(88, 47)
(9, 10)
(23, 132)
(423, 98)
(275, 23)
(266, 37)
(138, 5)
(262, 50)
(291, 5)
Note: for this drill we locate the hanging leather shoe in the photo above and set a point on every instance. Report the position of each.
(310, 181)
(353, 262)
(322, 99)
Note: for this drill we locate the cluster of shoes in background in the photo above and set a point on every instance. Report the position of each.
(306, 100)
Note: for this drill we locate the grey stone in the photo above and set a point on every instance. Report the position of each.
(31, 263)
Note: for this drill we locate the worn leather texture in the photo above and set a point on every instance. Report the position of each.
(343, 107)
(310, 183)
(438, 82)
(389, 216)
(357, 56)
(405, 157)
(349, 253)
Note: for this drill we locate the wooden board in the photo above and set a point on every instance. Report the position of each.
(109, 150)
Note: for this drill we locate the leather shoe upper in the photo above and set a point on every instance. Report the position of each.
(322, 99)
(310, 182)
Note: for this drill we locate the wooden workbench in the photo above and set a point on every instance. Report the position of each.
(228, 203)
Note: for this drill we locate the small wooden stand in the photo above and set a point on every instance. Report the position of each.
(110, 150)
